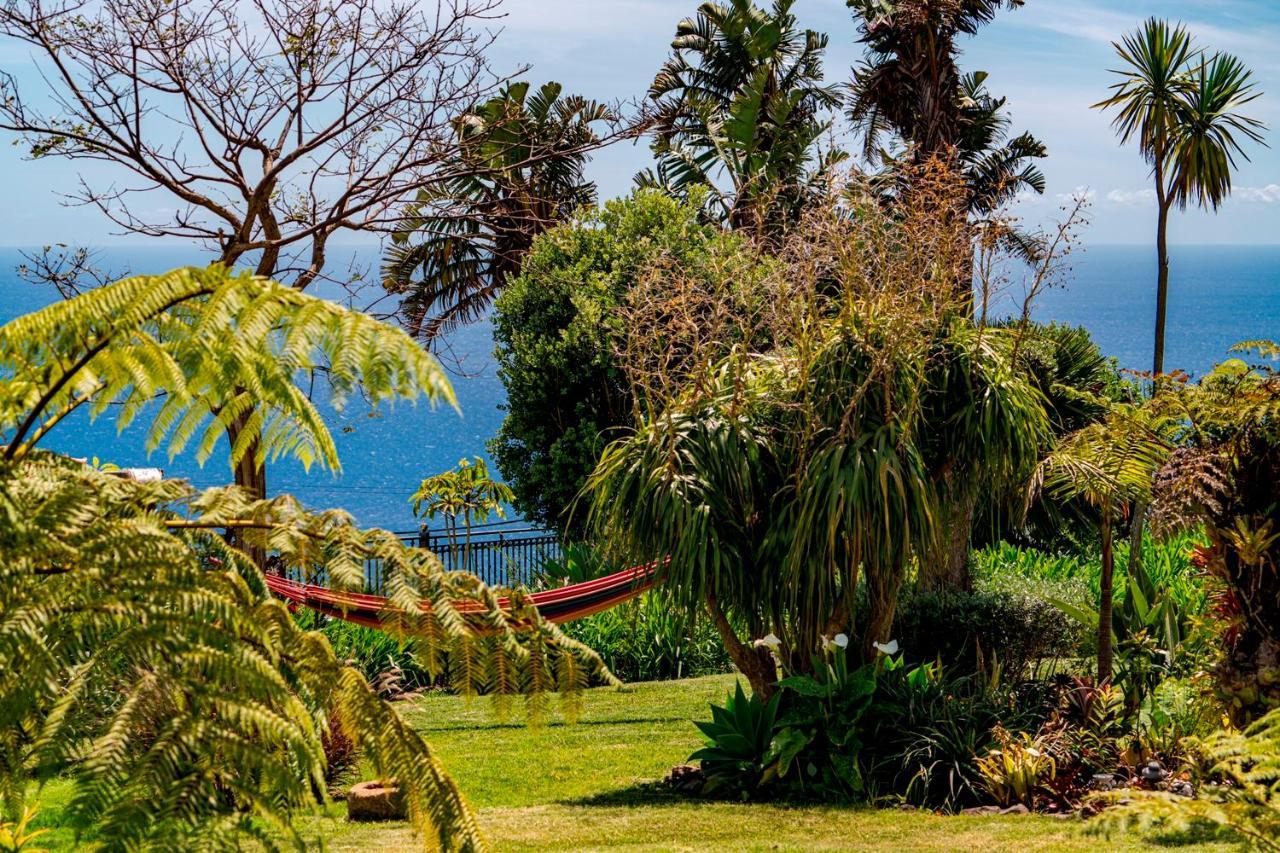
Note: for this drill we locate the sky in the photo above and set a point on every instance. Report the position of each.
(1050, 58)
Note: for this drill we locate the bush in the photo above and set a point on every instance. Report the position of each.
(369, 650)
(645, 640)
(972, 631)
(557, 327)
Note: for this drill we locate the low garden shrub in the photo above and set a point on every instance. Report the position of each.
(977, 631)
(645, 640)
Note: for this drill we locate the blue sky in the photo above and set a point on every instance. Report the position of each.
(1050, 58)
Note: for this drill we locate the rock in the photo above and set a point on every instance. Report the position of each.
(1182, 788)
(1016, 808)
(686, 779)
(981, 810)
(1153, 773)
(377, 800)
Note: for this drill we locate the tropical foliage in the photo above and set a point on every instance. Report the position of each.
(561, 332)
(740, 110)
(1181, 107)
(1243, 794)
(519, 170)
(1224, 477)
(1110, 465)
(771, 479)
(910, 87)
(463, 496)
(141, 654)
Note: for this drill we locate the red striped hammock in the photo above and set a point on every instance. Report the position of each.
(556, 605)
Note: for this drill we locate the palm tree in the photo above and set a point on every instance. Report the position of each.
(1111, 465)
(519, 171)
(910, 87)
(467, 491)
(1181, 108)
(741, 102)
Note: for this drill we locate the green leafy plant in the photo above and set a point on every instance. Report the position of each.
(645, 640)
(558, 327)
(519, 170)
(141, 654)
(1017, 769)
(821, 725)
(1240, 790)
(739, 757)
(465, 495)
(15, 837)
(740, 109)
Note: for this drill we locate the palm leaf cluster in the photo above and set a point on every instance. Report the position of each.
(518, 172)
(740, 109)
(910, 88)
(141, 654)
(1180, 105)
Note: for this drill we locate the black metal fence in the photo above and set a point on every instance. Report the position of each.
(502, 554)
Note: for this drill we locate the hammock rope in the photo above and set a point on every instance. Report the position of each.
(563, 604)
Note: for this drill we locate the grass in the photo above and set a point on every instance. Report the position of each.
(589, 786)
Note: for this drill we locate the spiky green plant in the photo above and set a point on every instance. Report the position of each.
(806, 471)
(140, 651)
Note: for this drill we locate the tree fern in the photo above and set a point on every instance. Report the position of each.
(140, 652)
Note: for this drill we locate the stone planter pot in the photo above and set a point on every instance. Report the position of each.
(377, 800)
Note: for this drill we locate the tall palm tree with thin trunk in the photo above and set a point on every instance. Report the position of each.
(1181, 107)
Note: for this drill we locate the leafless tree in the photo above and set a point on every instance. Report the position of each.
(270, 125)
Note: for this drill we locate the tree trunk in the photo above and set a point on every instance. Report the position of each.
(1162, 259)
(1105, 600)
(756, 664)
(882, 605)
(950, 566)
(251, 476)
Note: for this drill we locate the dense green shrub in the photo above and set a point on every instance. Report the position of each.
(369, 650)
(557, 329)
(645, 640)
(972, 631)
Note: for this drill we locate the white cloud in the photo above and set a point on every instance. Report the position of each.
(1081, 192)
(1132, 198)
(1270, 194)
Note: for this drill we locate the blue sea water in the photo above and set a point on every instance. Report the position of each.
(1219, 296)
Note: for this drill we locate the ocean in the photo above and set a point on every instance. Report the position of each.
(1219, 296)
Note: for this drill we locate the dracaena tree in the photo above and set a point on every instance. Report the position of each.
(813, 461)
(1182, 108)
(740, 108)
(518, 171)
(141, 654)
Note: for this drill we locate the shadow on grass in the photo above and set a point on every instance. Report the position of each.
(495, 725)
(642, 794)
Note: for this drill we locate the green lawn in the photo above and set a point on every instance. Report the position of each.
(586, 786)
